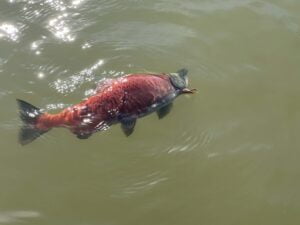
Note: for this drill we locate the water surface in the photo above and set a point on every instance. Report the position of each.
(228, 155)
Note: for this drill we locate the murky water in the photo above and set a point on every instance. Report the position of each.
(228, 155)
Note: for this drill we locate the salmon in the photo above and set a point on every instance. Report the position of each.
(122, 100)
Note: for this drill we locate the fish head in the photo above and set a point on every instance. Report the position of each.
(179, 79)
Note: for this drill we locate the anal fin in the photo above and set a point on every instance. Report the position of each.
(83, 135)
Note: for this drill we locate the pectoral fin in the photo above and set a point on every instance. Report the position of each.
(162, 112)
(127, 126)
(83, 136)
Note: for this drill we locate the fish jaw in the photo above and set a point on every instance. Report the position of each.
(188, 91)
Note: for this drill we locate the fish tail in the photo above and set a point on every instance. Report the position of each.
(29, 114)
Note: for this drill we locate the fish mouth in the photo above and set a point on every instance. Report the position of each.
(189, 91)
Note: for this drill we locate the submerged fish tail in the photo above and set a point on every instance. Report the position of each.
(29, 114)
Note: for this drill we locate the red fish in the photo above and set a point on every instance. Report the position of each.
(121, 100)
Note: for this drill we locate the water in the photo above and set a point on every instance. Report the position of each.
(228, 155)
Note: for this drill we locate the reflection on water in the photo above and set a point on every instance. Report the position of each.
(9, 31)
(227, 155)
(71, 83)
(35, 46)
(60, 29)
(86, 45)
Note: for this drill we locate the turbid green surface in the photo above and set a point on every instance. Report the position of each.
(228, 155)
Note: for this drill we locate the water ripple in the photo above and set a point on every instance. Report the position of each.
(4, 92)
(193, 7)
(189, 142)
(17, 216)
(245, 147)
(141, 184)
(202, 138)
(125, 35)
(277, 12)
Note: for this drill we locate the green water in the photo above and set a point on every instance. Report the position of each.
(228, 155)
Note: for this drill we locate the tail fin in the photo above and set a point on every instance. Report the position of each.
(29, 115)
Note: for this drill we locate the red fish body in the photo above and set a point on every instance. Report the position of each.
(119, 100)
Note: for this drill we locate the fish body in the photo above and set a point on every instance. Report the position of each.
(121, 100)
